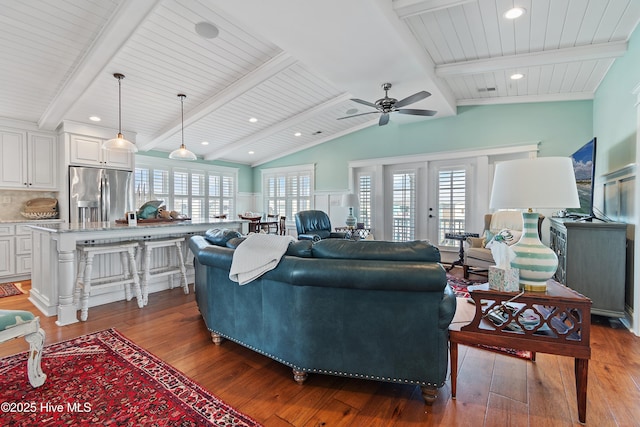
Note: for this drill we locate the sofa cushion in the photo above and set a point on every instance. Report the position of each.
(234, 242)
(483, 254)
(301, 249)
(220, 236)
(417, 250)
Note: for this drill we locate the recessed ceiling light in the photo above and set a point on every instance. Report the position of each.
(95, 118)
(517, 76)
(251, 152)
(204, 143)
(207, 30)
(514, 13)
(253, 120)
(297, 134)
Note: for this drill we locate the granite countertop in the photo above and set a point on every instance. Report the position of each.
(30, 221)
(109, 226)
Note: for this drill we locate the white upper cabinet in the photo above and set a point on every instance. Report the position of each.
(28, 160)
(87, 151)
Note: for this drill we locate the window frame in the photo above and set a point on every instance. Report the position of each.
(307, 170)
(153, 165)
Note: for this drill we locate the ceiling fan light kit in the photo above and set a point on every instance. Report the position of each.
(119, 143)
(182, 153)
(388, 105)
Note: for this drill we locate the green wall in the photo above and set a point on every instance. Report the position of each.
(614, 111)
(561, 127)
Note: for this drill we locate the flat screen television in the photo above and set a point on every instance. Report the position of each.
(584, 164)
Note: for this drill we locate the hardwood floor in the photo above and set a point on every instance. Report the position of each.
(493, 389)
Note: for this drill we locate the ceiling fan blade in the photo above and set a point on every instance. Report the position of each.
(367, 103)
(413, 98)
(356, 115)
(416, 112)
(384, 119)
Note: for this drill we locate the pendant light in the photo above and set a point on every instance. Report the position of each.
(182, 153)
(119, 143)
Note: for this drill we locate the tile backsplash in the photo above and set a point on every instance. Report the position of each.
(12, 202)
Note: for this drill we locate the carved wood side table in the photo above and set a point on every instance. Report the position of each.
(557, 321)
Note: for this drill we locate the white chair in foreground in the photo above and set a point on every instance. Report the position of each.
(19, 323)
(174, 265)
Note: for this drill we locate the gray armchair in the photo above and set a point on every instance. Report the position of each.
(478, 258)
(315, 225)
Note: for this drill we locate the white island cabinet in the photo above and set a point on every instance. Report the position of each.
(54, 255)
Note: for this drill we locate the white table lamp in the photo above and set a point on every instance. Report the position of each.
(350, 200)
(545, 182)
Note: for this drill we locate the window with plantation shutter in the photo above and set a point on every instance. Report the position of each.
(288, 190)
(160, 182)
(452, 202)
(198, 193)
(404, 206)
(365, 194)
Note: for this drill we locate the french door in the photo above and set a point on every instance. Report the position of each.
(426, 200)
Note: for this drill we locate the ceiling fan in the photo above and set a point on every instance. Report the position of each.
(388, 105)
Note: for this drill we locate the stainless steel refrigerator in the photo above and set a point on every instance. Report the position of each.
(99, 194)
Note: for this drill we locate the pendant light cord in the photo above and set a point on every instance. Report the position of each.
(119, 104)
(182, 116)
(119, 77)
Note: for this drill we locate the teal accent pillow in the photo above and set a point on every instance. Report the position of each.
(488, 236)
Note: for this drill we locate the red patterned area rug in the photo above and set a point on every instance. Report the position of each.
(105, 379)
(459, 287)
(10, 289)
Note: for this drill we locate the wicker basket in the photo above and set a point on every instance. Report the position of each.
(40, 215)
(41, 205)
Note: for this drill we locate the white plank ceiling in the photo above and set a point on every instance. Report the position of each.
(292, 65)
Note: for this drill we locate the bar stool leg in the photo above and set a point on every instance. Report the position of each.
(140, 295)
(146, 265)
(183, 270)
(127, 275)
(86, 288)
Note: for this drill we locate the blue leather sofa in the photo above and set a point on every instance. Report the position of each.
(368, 309)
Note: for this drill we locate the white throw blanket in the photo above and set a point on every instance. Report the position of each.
(258, 254)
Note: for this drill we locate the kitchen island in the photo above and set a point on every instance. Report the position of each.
(54, 264)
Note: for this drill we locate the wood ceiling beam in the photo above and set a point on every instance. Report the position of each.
(520, 61)
(279, 127)
(408, 8)
(125, 20)
(266, 71)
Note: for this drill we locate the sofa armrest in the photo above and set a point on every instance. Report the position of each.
(476, 242)
(313, 237)
(337, 235)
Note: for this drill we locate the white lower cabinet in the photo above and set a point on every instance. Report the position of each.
(7, 250)
(15, 251)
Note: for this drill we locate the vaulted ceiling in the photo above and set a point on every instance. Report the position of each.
(292, 65)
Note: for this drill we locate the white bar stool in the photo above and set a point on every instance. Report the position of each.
(173, 266)
(129, 276)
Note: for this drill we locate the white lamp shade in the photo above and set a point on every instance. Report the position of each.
(120, 144)
(544, 182)
(182, 154)
(350, 200)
